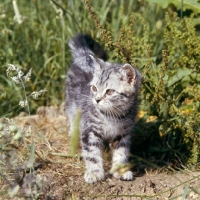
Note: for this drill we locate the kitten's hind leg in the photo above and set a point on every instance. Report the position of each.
(92, 154)
(120, 159)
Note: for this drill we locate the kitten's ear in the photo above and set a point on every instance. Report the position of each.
(128, 73)
(97, 67)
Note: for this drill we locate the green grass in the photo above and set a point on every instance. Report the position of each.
(40, 43)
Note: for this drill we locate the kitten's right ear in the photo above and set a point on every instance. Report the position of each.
(128, 73)
(97, 66)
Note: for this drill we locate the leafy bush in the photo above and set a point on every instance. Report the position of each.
(171, 87)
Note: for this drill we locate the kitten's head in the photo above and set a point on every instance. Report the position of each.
(114, 87)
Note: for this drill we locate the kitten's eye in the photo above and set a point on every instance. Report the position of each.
(109, 92)
(94, 88)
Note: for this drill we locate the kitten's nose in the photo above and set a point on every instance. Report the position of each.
(98, 99)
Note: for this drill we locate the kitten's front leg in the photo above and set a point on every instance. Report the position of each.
(92, 154)
(120, 156)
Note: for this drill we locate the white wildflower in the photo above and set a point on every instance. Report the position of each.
(23, 103)
(15, 79)
(36, 94)
(28, 75)
(19, 73)
(10, 68)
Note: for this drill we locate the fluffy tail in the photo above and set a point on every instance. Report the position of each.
(83, 44)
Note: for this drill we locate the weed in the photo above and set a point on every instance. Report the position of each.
(11, 136)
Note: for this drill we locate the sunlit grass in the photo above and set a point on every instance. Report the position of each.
(40, 41)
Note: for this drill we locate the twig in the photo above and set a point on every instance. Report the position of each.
(63, 155)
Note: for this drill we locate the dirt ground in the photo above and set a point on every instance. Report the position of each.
(60, 176)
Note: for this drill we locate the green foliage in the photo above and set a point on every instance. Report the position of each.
(37, 39)
(187, 4)
(171, 85)
(178, 87)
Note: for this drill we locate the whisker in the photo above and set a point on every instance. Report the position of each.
(113, 115)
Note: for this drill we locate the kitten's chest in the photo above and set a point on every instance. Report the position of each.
(111, 128)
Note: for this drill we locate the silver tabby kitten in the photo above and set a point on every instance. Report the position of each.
(107, 95)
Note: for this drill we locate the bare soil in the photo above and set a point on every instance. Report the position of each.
(60, 176)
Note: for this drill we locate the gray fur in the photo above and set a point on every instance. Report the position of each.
(107, 95)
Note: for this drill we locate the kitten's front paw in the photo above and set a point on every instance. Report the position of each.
(92, 176)
(127, 176)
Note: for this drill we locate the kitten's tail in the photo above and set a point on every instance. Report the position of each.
(83, 44)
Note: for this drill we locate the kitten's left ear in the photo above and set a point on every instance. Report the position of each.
(128, 73)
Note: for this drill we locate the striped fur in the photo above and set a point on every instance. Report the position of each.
(107, 95)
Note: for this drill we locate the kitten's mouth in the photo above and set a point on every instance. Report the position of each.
(112, 112)
(101, 109)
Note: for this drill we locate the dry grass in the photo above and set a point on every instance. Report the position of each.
(58, 175)
(52, 155)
